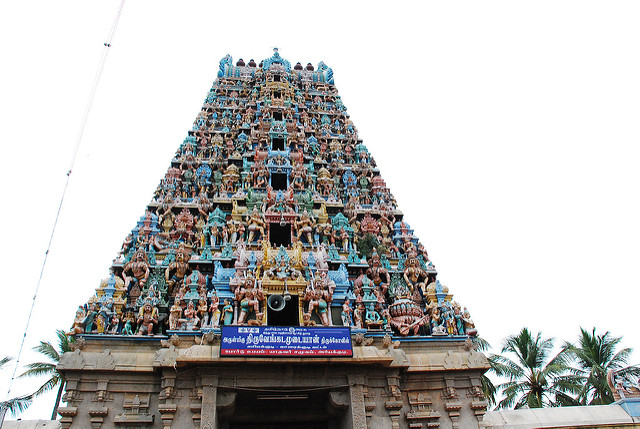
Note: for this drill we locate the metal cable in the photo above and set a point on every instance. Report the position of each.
(103, 59)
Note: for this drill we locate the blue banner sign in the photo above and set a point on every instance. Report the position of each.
(286, 341)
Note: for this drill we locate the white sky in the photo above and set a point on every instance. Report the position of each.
(508, 132)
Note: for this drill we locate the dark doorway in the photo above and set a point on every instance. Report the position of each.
(277, 143)
(283, 425)
(279, 181)
(272, 409)
(288, 316)
(280, 235)
(296, 407)
(277, 116)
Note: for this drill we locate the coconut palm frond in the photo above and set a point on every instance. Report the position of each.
(595, 355)
(5, 360)
(48, 385)
(38, 369)
(17, 405)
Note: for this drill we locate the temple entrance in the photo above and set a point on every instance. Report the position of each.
(282, 409)
(279, 235)
(301, 425)
(288, 316)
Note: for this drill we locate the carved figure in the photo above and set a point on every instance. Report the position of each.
(139, 269)
(215, 311)
(378, 274)
(174, 314)
(203, 312)
(147, 319)
(191, 317)
(250, 298)
(227, 311)
(406, 317)
(319, 299)
(257, 224)
(305, 227)
(346, 313)
(415, 276)
(179, 268)
(78, 322)
(283, 270)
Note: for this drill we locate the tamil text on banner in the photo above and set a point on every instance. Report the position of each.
(286, 341)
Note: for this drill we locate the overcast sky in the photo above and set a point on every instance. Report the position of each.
(508, 132)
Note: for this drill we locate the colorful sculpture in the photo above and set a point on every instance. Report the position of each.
(272, 193)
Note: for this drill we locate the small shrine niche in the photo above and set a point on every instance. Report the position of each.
(277, 143)
(280, 234)
(279, 181)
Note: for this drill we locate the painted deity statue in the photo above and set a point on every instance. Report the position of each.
(346, 313)
(174, 314)
(415, 276)
(372, 317)
(257, 224)
(138, 268)
(319, 298)
(215, 310)
(147, 319)
(179, 268)
(378, 274)
(191, 316)
(304, 226)
(250, 298)
(282, 271)
(203, 311)
(227, 312)
(78, 322)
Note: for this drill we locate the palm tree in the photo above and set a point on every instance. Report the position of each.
(14, 405)
(48, 369)
(488, 388)
(534, 378)
(595, 356)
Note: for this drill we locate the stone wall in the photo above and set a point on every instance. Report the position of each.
(183, 382)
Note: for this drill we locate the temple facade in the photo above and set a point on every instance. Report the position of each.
(272, 281)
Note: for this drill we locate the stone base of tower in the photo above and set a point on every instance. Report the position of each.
(182, 382)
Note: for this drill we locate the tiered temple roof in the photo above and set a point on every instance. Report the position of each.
(272, 212)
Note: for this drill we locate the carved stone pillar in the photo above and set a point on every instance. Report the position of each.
(478, 402)
(167, 407)
(356, 395)
(209, 401)
(196, 409)
(67, 413)
(97, 416)
(394, 403)
(167, 413)
(452, 403)
(369, 403)
(393, 407)
(71, 397)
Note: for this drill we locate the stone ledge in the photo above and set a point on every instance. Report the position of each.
(562, 417)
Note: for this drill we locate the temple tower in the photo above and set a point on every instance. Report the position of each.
(273, 282)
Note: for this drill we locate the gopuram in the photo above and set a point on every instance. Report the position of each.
(272, 283)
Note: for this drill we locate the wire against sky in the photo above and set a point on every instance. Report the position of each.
(103, 58)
